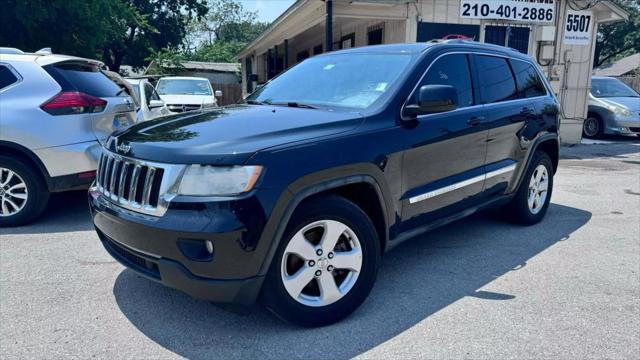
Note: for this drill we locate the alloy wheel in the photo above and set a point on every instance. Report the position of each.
(591, 127)
(321, 263)
(13, 192)
(538, 189)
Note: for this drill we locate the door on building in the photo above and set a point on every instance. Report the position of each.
(516, 37)
(375, 35)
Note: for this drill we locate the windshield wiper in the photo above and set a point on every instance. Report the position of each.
(254, 102)
(294, 105)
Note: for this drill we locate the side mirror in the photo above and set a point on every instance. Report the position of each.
(155, 104)
(433, 99)
(218, 93)
(253, 77)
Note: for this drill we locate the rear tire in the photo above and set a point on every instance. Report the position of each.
(531, 201)
(23, 193)
(312, 281)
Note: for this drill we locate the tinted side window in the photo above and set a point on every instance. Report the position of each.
(84, 78)
(496, 79)
(148, 92)
(7, 77)
(452, 70)
(529, 82)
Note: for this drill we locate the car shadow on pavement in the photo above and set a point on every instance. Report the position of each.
(415, 280)
(66, 212)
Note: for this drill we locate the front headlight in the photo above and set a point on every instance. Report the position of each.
(199, 180)
(620, 111)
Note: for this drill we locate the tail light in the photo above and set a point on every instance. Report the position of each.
(73, 102)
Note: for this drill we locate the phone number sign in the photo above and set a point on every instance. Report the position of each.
(542, 11)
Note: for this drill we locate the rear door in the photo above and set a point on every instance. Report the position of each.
(86, 77)
(443, 167)
(508, 110)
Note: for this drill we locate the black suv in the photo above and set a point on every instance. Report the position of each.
(293, 196)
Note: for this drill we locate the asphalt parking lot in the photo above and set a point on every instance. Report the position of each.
(479, 288)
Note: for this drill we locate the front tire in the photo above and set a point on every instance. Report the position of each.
(531, 201)
(325, 265)
(593, 127)
(23, 194)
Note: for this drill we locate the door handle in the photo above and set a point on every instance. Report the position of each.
(475, 121)
(527, 110)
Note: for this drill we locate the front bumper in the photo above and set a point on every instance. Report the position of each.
(171, 250)
(622, 126)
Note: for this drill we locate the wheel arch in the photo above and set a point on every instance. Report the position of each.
(353, 187)
(552, 148)
(549, 143)
(27, 155)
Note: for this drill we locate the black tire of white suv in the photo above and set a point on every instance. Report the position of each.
(23, 193)
(337, 279)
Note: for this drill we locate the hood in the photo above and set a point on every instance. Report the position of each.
(630, 103)
(187, 99)
(227, 136)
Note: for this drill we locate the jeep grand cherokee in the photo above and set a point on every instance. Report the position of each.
(293, 196)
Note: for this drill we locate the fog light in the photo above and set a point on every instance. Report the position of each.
(209, 245)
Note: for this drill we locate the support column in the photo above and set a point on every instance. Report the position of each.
(275, 61)
(269, 65)
(329, 27)
(286, 54)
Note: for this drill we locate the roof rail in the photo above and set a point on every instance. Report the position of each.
(10, 50)
(44, 51)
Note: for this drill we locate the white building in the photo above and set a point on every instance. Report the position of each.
(560, 34)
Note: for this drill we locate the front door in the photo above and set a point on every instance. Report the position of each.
(443, 167)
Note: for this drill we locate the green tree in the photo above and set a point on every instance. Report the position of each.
(147, 26)
(221, 14)
(76, 27)
(115, 31)
(620, 39)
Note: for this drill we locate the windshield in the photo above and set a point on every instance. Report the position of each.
(342, 80)
(604, 88)
(183, 87)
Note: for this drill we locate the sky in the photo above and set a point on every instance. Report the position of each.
(268, 10)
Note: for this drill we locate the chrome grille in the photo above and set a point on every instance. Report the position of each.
(130, 183)
(183, 108)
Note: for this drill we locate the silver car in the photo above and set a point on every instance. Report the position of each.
(54, 112)
(151, 106)
(614, 109)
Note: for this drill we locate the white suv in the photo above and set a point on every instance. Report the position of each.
(182, 93)
(54, 111)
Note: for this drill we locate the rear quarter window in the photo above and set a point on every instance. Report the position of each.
(7, 77)
(84, 78)
(529, 82)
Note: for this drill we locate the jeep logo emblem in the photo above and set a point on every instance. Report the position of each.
(123, 148)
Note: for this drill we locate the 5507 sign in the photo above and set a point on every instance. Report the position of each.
(527, 11)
